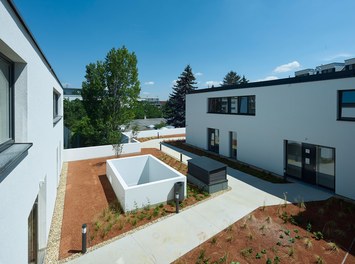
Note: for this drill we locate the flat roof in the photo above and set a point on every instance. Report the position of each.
(22, 21)
(290, 80)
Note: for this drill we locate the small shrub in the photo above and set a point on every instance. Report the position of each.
(213, 240)
(268, 261)
(258, 256)
(295, 230)
(246, 252)
(268, 219)
(263, 251)
(287, 232)
(291, 251)
(308, 243)
(277, 260)
(297, 237)
(97, 225)
(291, 240)
(318, 235)
(319, 259)
(279, 243)
(332, 246)
(309, 227)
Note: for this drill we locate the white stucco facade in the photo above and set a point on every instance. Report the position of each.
(37, 174)
(304, 112)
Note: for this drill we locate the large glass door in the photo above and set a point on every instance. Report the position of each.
(213, 140)
(233, 144)
(309, 153)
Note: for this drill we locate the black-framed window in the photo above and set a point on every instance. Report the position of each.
(6, 102)
(56, 107)
(238, 105)
(346, 105)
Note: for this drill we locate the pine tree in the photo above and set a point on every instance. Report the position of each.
(175, 106)
(232, 78)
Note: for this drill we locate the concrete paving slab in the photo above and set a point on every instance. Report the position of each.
(123, 251)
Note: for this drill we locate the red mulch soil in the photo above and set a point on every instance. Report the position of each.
(90, 199)
(284, 234)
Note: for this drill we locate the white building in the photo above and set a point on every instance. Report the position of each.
(301, 127)
(31, 132)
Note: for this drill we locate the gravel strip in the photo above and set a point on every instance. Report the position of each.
(52, 251)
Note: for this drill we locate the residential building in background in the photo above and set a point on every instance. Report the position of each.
(72, 94)
(302, 128)
(31, 141)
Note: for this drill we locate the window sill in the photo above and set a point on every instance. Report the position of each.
(10, 157)
(237, 114)
(56, 119)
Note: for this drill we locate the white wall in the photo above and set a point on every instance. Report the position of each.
(33, 119)
(98, 151)
(161, 132)
(303, 112)
(162, 189)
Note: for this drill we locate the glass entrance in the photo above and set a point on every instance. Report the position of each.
(213, 140)
(233, 144)
(311, 163)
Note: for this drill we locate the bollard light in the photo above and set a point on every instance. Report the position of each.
(83, 239)
(177, 197)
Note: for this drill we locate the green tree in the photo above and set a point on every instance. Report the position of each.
(175, 106)
(110, 93)
(145, 109)
(232, 78)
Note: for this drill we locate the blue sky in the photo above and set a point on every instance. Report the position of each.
(260, 39)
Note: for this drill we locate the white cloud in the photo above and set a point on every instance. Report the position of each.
(214, 83)
(198, 74)
(338, 56)
(267, 78)
(149, 83)
(287, 67)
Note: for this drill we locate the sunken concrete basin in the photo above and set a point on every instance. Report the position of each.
(208, 174)
(142, 180)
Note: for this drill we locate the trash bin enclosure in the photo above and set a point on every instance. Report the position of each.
(208, 174)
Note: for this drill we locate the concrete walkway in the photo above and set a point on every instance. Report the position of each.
(167, 240)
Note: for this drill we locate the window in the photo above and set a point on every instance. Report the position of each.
(241, 105)
(56, 105)
(213, 140)
(346, 108)
(233, 144)
(6, 98)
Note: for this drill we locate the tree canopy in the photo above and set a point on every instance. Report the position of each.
(110, 92)
(174, 109)
(233, 78)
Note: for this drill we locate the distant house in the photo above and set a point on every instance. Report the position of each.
(31, 134)
(301, 127)
(72, 94)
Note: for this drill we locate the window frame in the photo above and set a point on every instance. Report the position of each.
(212, 102)
(11, 138)
(342, 105)
(56, 106)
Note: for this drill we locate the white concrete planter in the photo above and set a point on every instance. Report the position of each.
(142, 180)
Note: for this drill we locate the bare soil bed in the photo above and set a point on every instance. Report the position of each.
(90, 199)
(315, 232)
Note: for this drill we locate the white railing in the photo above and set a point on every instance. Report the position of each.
(159, 132)
(99, 151)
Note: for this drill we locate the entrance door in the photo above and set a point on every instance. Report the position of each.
(213, 140)
(33, 234)
(309, 163)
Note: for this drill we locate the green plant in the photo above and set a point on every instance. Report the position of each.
(97, 225)
(291, 251)
(284, 217)
(223, 259)
(319, 259)
(291, 240)
(229, 239)
(268, 219)
(295, 230)
(246, 252)
(244, 225)
(268, 261)
(277, 260)
(297, 237)
(258, 256)
(202, 258)
(263, 251)
(134, 221)
(279, 243)
(309, 227)
(308, 243)
(287, 232)
(332, 246)
(281, 236)
(213, 240)
(161, 205)
(318, 235)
